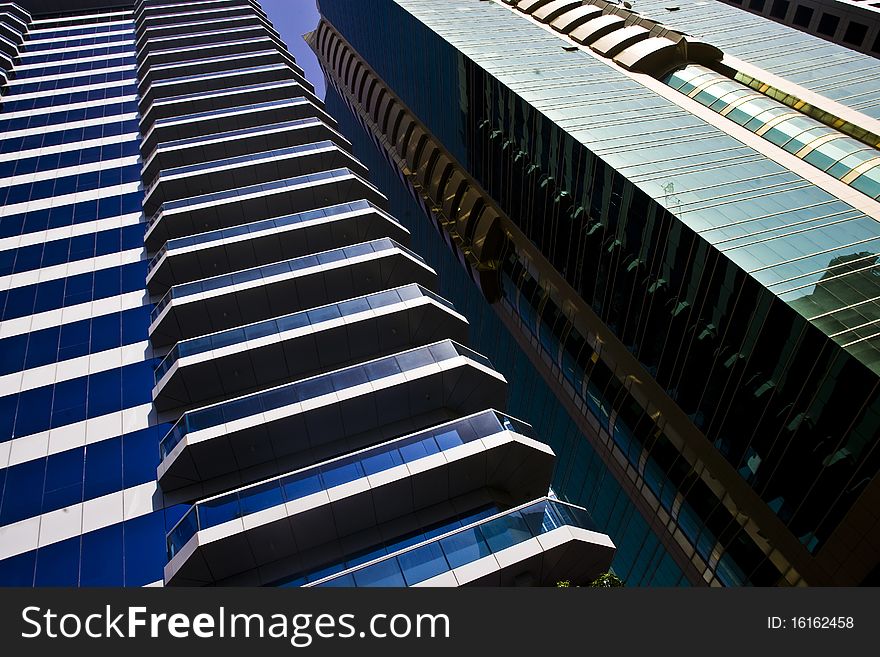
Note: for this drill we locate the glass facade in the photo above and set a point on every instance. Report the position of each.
(77, 370)
(720, 296)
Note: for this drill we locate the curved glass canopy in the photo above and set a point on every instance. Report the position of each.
(847, 159)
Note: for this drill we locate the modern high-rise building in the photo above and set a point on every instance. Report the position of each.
(221, 362)
(673, 209)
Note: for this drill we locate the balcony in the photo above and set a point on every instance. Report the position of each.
(217, 81)
(229, 97)
(538, 544)
(216, 35)
(9, 30)
(162, 76)
(235, 44)
(236, 143)
(192, 28)
(312, 419)
(251, 295)
(143, 10)
(296, 513)
(8, 48)
(186, 14)
(233, 207)
(236, 361)
(187, 259)
(206, 82)
(238, 117)
(193, 180)
(17, 13)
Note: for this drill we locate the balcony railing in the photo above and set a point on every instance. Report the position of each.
(293, 321)
(215, 113)
(277, 268)
(232, 134)
(238, 160)
(260, 226)
(311, 388)
(463, 546)
(208, 199)
(290, 487)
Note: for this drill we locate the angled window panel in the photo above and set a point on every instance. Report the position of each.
(654, 56)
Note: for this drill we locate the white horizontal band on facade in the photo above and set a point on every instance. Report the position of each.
(58, 51)
(69, 146)
(77, 519)
(76, 313)
(69, 125)
(72, 436)
(69, 199)
(73, 268)
(12, 84)
(80, 60)
(84, 19)
(36, 30)
(129, 29)
(51, 174)
(64, 232)
(56, 109)
(74, 368)
(12, 97)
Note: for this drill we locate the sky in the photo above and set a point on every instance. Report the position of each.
(292, 19)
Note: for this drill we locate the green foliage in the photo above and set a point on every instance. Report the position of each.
(606, 580)
(603, 581)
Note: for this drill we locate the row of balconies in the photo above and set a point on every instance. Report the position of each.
(320, 397)
(14, 23)
(464, 463)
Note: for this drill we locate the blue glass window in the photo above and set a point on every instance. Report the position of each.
(102, 557)
(18, 570)
(58, 564)
(144, 545)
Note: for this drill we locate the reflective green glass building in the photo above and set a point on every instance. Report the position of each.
(670, 211)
